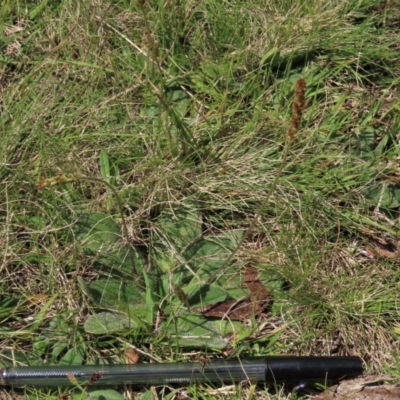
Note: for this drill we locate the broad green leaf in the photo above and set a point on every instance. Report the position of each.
(174, 231)
(270, 279)
(199, 295)
(72, 357)
(107, 322)
(387, 196)
(163, 259)
(147, 396)
(177, 228)
(197, 332)
(96, 231)
(180, 102)
(230, 238)
(207, 256)
(215, 71)
(112, 294)
(119, 291)
(183, 256)
(117, 262)
(202, 295)
(100, 236)
(58, 348)
(41, 345)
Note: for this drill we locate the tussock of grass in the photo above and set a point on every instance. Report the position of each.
(192, 104)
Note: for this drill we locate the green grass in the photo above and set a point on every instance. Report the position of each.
(184, 108)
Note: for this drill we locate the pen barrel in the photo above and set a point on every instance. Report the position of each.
(137, 374)
(309, 369)
(269, 369)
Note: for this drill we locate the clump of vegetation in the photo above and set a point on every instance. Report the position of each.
(184, 178)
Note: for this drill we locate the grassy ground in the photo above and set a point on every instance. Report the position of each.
(183, 110)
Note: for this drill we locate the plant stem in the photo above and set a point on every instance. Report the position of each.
(294, 127)
(258, 213)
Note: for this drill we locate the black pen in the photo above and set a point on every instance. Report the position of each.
(275, 369)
